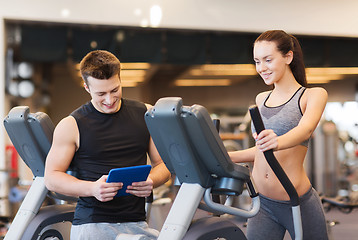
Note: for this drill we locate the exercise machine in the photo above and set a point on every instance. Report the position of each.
(343, 204)
(31, 134)
(191, 148)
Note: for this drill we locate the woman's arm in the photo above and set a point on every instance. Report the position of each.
(240, 156)
(314, 102)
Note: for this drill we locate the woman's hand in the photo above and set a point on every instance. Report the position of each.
(266, 140)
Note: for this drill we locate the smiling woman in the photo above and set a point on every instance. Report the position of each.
(270, 63)
(290, 113)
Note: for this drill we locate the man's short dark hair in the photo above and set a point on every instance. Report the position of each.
(99, 64)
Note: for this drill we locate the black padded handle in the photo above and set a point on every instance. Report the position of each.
(217, 124)
(272, 161)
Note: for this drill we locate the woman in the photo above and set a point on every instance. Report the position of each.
(290, 113)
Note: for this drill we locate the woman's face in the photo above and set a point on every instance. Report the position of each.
(271, 65)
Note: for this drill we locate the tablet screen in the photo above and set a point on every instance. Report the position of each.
(127, 176)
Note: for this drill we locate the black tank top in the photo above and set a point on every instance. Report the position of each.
(110, 141)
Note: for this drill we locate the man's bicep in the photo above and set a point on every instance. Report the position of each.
(153, 153)
(59, 157)
(63, 146)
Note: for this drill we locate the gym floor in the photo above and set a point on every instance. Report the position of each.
(347, 224)
(346, 227)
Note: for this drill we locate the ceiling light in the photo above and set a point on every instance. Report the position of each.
(128, 65)
(199, 72)
(311, 79)
(144, 22)
(125, 83)
(225, 67)
(332, 70)
(202, 82)
(223, 70)
(137, 12)
(135, 65)
(155, 16)
(133, 79)
(65, 12)
(132, 73)
(93, 44)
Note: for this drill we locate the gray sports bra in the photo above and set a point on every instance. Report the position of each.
(283, 118)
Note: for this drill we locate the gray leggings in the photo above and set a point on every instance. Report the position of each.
(275, 217)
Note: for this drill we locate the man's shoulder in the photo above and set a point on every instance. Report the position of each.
(133, 103)
(67, 124)
(81, 111)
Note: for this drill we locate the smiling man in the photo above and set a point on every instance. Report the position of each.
(107, 132)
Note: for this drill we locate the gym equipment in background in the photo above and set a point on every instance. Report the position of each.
(31, 134)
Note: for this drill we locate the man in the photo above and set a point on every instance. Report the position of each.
(107, 132)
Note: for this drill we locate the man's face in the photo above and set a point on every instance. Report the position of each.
(106, 94)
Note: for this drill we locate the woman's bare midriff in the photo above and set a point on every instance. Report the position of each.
(291, 160)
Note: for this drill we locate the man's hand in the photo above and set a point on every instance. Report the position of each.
(104, 191)
(141, 189)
